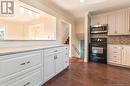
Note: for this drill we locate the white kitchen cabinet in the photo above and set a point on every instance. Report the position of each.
(128, 21)
(59, 62)
(119, 55)
(99, 19)
(54, 61)
(126, 55)
(111, 24)
(28, 79)
(121, 22)
(118, 21)
(114, 54)
(32, 68)
(49, 66)
(19, 63)
(15, 69)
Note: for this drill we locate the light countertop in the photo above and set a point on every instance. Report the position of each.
(13, 50)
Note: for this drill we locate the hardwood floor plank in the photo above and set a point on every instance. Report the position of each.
(91, 74)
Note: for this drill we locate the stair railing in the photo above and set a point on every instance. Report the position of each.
(66, 35)
(76, 49)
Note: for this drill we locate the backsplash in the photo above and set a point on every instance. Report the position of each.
(119, 40)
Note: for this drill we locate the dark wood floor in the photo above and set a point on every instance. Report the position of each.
(91, 74)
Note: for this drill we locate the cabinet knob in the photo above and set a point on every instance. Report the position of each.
(55, 50)
(22, 63)
(28, 62)
(26, 84)
(55, 57)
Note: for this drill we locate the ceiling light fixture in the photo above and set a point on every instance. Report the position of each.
(82, 1)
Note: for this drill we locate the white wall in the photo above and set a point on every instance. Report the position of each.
(80, 23)
(53, 11)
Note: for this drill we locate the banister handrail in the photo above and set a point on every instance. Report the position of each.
(66, 35)
(76, 49)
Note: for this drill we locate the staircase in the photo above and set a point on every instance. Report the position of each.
(66, 38)
(76, 49)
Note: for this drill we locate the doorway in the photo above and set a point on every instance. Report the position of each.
(66, 36)
(82, 48)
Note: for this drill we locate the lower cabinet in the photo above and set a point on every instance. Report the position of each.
(21, 69)
(33, 68)
(49, 67)
(125, 55)
(119, 55)
(29, 79)
(55, 61)
(59, 58)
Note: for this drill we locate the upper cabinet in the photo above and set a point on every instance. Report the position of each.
(99, 19)
(111, 24)
(118, 21)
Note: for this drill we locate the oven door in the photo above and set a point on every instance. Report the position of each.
(98, 53)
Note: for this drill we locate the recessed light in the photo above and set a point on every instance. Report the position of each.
(82, 1)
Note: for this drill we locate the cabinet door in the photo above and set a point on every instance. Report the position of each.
(59, 62)
(99, 19)
(49, 67)
(121, 24)
(125, 55)
(102, 19)
(128, 21)
(111, 24)
(94, 20)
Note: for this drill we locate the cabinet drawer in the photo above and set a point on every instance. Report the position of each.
(53, 50)
(16, 64)
(29, 79)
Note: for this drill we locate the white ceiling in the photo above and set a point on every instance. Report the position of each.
(78, 9)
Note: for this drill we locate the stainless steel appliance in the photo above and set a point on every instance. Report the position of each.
(96, 29)
(98, 44)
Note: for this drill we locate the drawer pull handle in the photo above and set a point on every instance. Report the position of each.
(55, 50)
(27, 84)
(55, 57)
(28, 62)
(22, 63)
